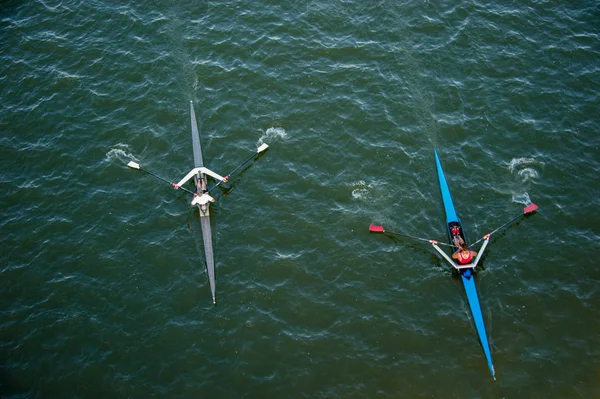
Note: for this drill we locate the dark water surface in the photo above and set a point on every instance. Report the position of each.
(104, 289)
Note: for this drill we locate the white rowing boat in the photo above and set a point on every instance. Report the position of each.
(202, 202)
(201, 194)
(202, 198)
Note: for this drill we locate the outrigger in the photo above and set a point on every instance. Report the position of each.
(466, 271)
(200, 196)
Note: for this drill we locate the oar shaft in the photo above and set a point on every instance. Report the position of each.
(414, 238)
(526, 211)
(242, 164)
(233, 171)
(166, 181)
(498, 229)
(505, 224)
(379, 229)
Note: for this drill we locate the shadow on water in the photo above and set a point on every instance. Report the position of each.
(226, 190)
(9, 387)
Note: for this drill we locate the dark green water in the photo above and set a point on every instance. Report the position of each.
(104, 290)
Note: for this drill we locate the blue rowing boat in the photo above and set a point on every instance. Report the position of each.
(466, 273)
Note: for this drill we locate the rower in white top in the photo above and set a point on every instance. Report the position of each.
(201, 197)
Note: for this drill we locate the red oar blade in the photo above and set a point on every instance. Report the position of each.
(376, 229)
(530, 209)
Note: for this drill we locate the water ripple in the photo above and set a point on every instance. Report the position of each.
(105, 290)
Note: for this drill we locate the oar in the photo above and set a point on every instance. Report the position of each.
(379, 229)
(136, 165)
(526, 211)
(258, 151)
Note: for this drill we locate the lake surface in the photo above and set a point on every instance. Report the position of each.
(104, 288)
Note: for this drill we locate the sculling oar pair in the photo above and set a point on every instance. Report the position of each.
(526, 211)
(135, 165)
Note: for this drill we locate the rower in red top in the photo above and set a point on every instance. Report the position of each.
(464, 255)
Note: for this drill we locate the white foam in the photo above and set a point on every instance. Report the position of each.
(526, 168)
(276, 132)
(120, 153)
(522, 198)
(362, 191)
(288, 256)
(528, 174)
(517, 163)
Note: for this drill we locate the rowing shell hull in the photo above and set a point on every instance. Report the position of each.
(467, 274)
(204, 209)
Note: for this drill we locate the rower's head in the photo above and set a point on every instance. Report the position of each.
(464, 247)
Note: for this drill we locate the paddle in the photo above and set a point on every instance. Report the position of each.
(379, 229)
(135, 165)
(258, 151)
(526, 211)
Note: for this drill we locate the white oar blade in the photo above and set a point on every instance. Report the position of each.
(262, 148)
(133, 165)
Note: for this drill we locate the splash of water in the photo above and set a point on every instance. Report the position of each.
(522, 198)
(525, 168)
(272, 134)
(362, 191)
(517, 163)
(120, 152)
